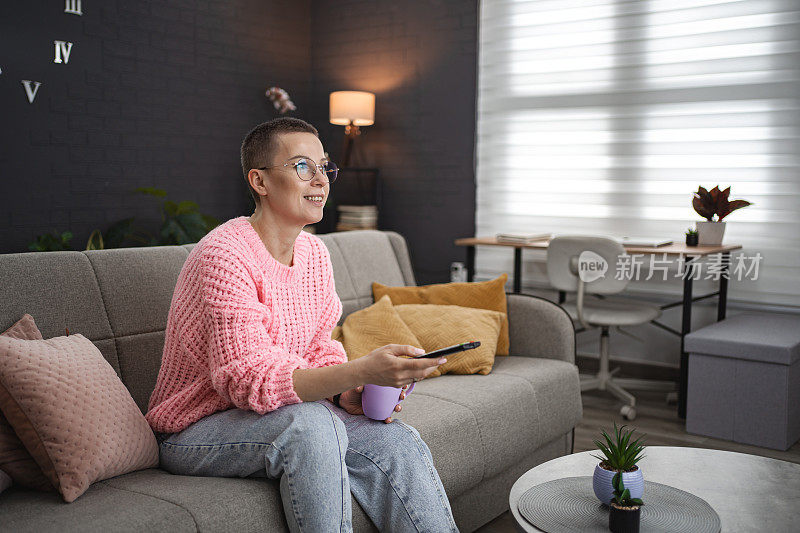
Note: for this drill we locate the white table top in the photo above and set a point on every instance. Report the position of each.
(748, 492)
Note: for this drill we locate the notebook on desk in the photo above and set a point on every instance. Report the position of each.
(522, 238)
(649, 242)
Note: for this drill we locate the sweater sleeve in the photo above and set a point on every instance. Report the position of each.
(246, 367)
(324, 351)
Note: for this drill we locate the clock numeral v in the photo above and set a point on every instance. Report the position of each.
(31, 90)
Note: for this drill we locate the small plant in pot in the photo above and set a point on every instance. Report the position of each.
(626, 512)
(620, 455)
(709, 204)
(691, 237)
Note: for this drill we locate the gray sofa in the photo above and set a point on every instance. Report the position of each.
(483, 431)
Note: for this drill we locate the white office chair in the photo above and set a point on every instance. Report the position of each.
(563, 255)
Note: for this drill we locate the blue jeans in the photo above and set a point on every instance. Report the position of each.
(321, 454)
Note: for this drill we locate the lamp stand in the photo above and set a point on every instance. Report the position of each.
(351, 131)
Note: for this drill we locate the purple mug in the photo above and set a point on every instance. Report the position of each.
(379, 402)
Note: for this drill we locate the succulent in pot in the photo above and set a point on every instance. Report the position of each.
(625, 513)
(691, 237)
(619, 455)
(709, 204)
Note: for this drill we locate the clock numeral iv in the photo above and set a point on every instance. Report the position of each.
(73, 6)
(63, 49)
(31, 90)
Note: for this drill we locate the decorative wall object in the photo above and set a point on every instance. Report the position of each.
(280, 99)
(63, 49)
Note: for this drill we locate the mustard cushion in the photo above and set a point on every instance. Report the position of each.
(439, 326)
(374, 326)
(489, 295)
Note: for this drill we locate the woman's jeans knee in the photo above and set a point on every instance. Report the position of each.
(321, 454)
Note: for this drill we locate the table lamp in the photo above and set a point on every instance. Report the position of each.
(351, 109)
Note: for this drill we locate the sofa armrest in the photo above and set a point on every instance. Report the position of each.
(539, 328)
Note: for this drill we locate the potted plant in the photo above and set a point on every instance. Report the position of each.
(620, 455)
(626, 511)
(707, 204)
(691, 237)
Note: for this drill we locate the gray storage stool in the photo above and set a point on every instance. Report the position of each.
(744, 380)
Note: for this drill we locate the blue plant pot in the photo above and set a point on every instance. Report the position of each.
(601, 483)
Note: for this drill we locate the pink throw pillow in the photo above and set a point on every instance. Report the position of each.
(15, 461)
(72, 412)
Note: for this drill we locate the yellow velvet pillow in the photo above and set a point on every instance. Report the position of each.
(489, 295)
(374, 326)
(439, 326)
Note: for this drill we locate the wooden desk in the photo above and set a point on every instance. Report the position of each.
(690, 253)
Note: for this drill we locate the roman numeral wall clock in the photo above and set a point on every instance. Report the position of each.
(62, 50)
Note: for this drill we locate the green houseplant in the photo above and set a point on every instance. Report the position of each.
(620, 454)
(48, 242)
(624, 516)
(181, 223)
(691, 237)
(711, 204)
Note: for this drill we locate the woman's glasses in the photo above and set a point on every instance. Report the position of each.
(306, 168)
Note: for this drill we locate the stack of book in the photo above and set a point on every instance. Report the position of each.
(357, 217)
(522, 238)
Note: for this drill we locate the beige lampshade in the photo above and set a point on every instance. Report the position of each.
(355, 106)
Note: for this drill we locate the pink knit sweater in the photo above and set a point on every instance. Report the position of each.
(240, 323)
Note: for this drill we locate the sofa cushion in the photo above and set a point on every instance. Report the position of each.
(59, 289)
(477, 426)
(361, 257)
(480, 295)
(154, 500)
(440, 326)
(101, 508)
(374, 326)
(72, 412)
(15, 461)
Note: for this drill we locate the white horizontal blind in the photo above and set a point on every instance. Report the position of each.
(603, 116)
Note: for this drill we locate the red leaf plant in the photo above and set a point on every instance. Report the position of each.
(715, 202)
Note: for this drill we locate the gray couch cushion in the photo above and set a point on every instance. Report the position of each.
(477, 426)
(154, 500)
(361, 257)
(139, 362)
(101, 508)
(137, 285)
(59, 290)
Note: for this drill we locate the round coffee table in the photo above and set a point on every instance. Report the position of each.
(748, 492)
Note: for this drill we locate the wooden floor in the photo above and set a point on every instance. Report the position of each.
(657, 420)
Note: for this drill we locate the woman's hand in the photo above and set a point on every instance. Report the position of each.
(350, 400)
(385, 367)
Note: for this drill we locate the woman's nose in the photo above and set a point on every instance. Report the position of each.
(320, 176)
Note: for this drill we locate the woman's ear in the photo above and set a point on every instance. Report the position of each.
(257, 181)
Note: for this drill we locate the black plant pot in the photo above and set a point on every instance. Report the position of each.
(691, 240)
(622, 521)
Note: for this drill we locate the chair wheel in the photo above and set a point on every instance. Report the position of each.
(628, 412)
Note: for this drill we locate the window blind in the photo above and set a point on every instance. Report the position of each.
(603, 117)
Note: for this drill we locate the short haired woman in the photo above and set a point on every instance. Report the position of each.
(251, 384)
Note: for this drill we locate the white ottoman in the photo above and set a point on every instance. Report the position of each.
(744, 380)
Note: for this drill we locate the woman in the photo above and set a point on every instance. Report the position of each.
(251, 383)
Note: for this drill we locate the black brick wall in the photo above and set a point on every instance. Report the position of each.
(160, 93)
(155, 93)
(420, 59)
